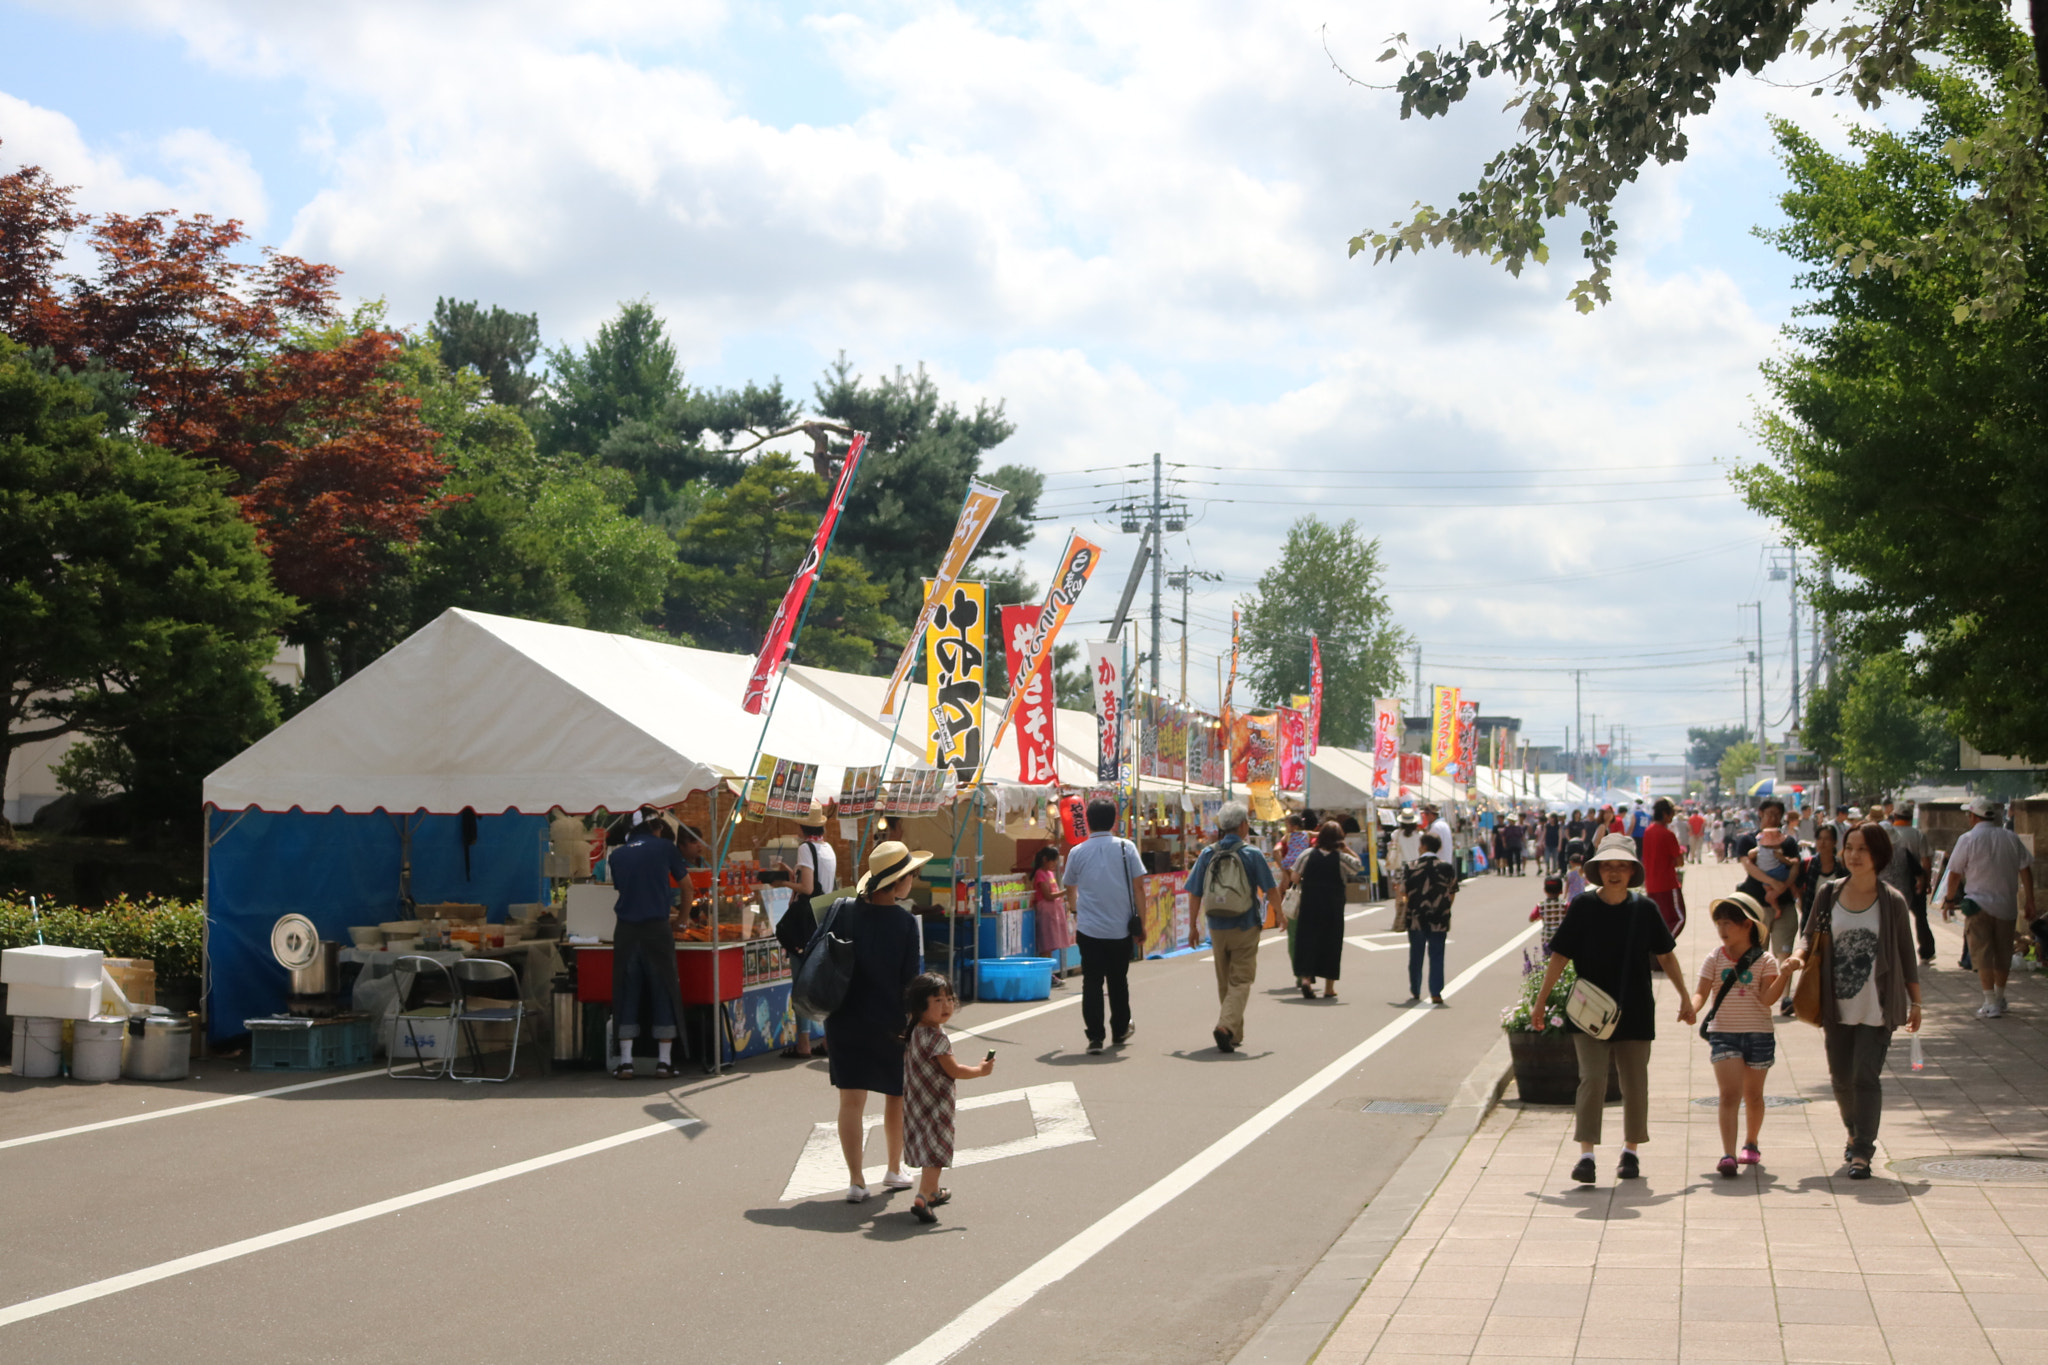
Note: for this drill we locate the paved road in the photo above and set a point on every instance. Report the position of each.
(653, 1222)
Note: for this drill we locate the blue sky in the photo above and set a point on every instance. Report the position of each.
(1126, 222)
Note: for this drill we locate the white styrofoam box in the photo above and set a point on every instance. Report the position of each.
(590, 912)
(433, 1038)
(54, 1002)
(48, 965)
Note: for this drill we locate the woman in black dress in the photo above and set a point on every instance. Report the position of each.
(863, 1046)
(1319, 919)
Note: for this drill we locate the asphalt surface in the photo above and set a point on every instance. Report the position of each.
(677, 1240)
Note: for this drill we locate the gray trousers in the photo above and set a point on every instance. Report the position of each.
(1631, 1061)
(1856, 1066)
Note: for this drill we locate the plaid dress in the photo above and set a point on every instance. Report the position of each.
(927, 1100)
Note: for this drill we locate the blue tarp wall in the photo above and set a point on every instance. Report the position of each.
(340, 869)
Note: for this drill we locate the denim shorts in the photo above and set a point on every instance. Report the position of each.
(1756, 1049)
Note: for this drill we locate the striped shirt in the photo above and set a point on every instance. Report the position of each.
(1744, 1010)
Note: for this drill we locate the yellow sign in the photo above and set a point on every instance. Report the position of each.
(954, 674)
(1443, 731)
(975, 515)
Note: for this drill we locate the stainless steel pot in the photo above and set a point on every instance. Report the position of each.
(321, 975)
(159, 1049)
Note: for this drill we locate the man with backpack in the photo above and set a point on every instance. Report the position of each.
(1102, 891)
(1229, 880)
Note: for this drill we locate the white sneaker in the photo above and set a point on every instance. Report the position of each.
(856, 1194)
(1990, 1011)
(896, 1180)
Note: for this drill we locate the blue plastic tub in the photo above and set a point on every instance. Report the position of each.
(1013, 978)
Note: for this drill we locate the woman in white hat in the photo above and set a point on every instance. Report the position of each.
(1611, 934)
(863, 1037)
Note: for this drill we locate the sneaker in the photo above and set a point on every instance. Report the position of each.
(1727, 1166)
(1125, 1036)
(856, 1194)
(1628, 1169)
(1994, 1010)
(1223, 1042)
(1094, 1048)
(896, 1180)
(1583, 1172)
(1751, 1156)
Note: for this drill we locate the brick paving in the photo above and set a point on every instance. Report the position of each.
(1789, 1261)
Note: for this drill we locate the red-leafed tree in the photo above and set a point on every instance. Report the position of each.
(241, 365)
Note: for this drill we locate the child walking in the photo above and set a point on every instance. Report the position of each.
(1575, 879)
(929, 1072)
(1551, 909)
(1739, 982)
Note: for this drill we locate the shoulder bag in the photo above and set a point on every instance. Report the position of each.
(1806, 994)
(1290, 903)
(1591, 1009)
(825, 973)
(1728, 984)
(1136, 927)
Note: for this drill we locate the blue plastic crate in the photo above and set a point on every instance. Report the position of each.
(316, 1045)
(1013, 978)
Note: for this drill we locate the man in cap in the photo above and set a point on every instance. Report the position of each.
(1986, 872)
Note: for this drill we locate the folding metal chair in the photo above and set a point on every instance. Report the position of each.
(490, 995)
(427, 1002)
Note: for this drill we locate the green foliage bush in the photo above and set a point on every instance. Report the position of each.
(168, 933)
(1515, 1018)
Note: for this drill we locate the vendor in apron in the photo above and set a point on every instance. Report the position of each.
(644, 871)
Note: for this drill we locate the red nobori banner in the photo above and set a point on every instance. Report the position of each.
(1292, 740)
(775, 645)
(1036, 765)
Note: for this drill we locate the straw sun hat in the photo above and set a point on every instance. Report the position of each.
(889, 862)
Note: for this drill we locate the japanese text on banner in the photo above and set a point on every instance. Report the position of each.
(1105, 682)
(1292, 728)
(1468, 741)
(955, 675)
(975, 515)
(1077, 563)
(1036, 764)
(1443, 731)
(1386, 744)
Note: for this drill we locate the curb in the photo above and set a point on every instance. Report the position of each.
(1296, 1331)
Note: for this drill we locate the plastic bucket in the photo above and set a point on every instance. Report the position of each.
(96, 1049)
(38, 1047)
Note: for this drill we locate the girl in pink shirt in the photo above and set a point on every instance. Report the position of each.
(1741, 1042)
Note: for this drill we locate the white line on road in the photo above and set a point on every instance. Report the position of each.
(1057, 1120)
(248, 1246)
(189, 1108)
(1063, 1260)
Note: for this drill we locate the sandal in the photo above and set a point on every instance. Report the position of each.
(1727, 1166)
(921, 1209)
(1308, 992)
(664, 1069)
(791, 1051)
(942, 1195)
(623, 1071)
(1752, 1155)
(1859, 1169)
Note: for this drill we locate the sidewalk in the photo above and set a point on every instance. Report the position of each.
(1789, 1261)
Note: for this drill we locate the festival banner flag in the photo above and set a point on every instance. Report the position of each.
(1315, 692)
(1468, 741)
(1077, 563)
(1230, 687)
(754, 799)
(975, 515)
(955, 678)
(1291, 736)
(1386, 744)
(1036, 765)
(1411, 770)
(859, 790)
(1443, 730)
(775, 645)
(1105, 681)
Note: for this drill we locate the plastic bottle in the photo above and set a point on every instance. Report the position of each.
(1918, 1060)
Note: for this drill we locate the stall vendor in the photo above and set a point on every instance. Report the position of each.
(644, 870)
(817, 863)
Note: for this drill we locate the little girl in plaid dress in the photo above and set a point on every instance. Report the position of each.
(929, 1072)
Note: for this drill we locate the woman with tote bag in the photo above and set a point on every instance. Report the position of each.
(1611, 935)
(1860, 983)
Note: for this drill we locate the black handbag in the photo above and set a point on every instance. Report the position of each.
(1728, 984)
(825, 973)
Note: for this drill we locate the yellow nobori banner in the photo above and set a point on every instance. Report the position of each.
(955, 675)
(975, 515)
(1443, 730)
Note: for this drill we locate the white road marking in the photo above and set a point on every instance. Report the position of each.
(1063, 1260)
(249, 1246)
(55, 1133)
(1365, 942)
(1019, 1017)
(1057, 1118)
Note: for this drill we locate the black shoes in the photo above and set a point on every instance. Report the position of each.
(1583, 1172)
(1223, 1041)
(1094, 1047)
(1125, 1036)
(1628, 1169)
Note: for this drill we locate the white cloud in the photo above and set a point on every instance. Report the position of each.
(201, 173)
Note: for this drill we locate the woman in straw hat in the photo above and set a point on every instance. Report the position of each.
(1611, 934)
(863, 1037)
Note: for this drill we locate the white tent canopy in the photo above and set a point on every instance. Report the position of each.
(495, 713)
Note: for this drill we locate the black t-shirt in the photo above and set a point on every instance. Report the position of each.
(1595, 936)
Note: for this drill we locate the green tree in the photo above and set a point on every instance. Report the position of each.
(629, 372)
(738, 554)
(134, 602)
(1910, 437)
(497, 344)
(1707, 743)
(1888, 735)
(1605, 89)
(1328, 579)
(1738, 765)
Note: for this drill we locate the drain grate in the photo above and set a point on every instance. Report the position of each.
(1770, 1101)
(1987, 1169)
(1401, 1107)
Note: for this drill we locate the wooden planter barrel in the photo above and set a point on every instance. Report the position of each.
(1547, 1067)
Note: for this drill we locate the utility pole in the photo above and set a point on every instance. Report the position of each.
(1159, 545)
(1418, 680)
(1792, 593)
(1761, 722)
(1578, 719)
(1180, 578)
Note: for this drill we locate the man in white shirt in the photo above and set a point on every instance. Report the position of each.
(1986, 872)
(1441, 828)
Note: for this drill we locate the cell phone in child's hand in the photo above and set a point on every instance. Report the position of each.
(990, 1055)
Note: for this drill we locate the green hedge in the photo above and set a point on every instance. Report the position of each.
(169, 933)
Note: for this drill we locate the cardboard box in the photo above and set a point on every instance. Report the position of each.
(55, 1002)
(51, 966)
(136, 976)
